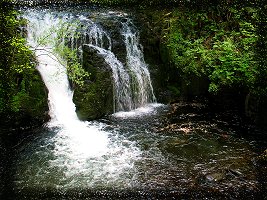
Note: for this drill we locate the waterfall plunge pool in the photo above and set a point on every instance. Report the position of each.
(192, 154)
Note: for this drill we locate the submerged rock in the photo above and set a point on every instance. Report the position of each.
(236, 173)
(214, 177)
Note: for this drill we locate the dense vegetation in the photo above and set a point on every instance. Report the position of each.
(22, 92)
(220, 42)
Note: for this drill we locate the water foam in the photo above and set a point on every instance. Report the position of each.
(80, 154)
(148, 109)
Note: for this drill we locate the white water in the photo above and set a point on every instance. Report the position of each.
(142, 89)
(70, 155)
(148, 109)
(52, 68)
(61, 107)
(96, 36)
(132, 86)
(89, 141)
(122, 90)
(74, 153)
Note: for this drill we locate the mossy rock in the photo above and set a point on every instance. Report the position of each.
(37, 105)
(95, 98)
(30, 101)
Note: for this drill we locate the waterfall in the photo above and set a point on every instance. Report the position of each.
(132, 83)
(70, 153)
(142, 89)
(122, 91)
(52, 69)
(83, 140)
(62, 109)
(132, 86)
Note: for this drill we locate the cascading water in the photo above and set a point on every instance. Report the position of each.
(62, 109)
(122, 90)
(52, 69)
(142, 89)
(54, 74)
(79, 153)
(132, 83)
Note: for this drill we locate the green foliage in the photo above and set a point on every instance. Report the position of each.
(217, 45)
(64, 52)
(16, 62)
(20, 98)
(174, 89)
(76, 73)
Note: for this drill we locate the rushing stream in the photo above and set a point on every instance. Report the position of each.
(152, 151)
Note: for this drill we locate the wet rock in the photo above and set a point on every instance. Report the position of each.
(214, 177)
(211, 178)
(114, 26)
(235, 173)
(95, 98)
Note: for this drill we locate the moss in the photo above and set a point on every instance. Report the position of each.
(36, 103)
(30, 102)
(95, 98)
